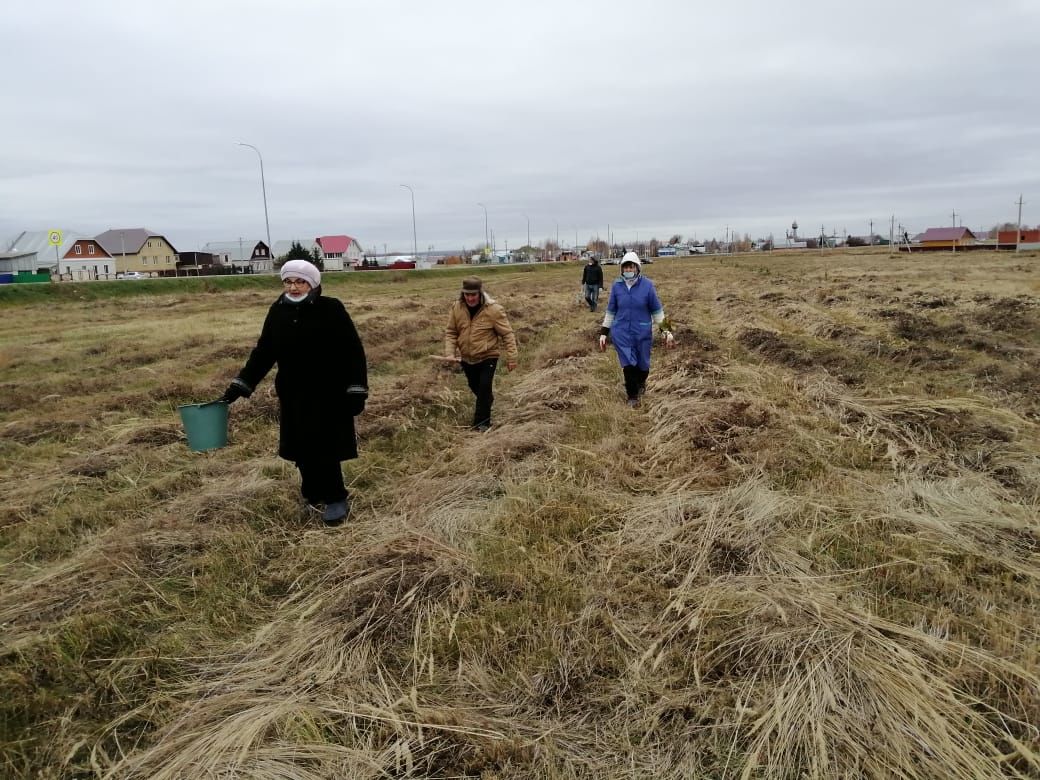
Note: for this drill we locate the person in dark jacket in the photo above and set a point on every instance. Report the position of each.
(592, 279)
(632, 312)
(322, 384)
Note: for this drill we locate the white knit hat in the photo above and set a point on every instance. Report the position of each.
(302, 269)
(632, 257)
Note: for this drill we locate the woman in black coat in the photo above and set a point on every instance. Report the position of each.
(322, 384)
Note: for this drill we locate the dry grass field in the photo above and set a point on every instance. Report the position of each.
(814, 552)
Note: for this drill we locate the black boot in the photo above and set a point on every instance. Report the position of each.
(336, 512)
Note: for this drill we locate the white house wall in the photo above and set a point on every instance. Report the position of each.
(85, 269)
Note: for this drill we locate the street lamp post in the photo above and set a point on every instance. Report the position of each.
(528, 229)
(487, 244)
(263, 188)
(415, 243)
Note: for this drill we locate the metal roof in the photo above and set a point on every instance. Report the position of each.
(334, 244)
(945, 234)
(281, 248)
(37, 241)
(236, 251)
(124, 241)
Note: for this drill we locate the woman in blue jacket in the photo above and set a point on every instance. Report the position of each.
(632, 312)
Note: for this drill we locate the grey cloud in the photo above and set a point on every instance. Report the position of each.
(661, 117)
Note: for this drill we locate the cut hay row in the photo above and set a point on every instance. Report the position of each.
(768, 570)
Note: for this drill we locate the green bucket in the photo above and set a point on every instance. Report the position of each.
(205, 424)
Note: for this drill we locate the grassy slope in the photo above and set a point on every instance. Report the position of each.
(812, 553)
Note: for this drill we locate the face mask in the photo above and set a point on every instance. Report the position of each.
(628, 274)
(296, 298)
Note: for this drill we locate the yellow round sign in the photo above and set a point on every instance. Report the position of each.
(54, 237)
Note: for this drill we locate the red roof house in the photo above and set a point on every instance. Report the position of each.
(339, 251)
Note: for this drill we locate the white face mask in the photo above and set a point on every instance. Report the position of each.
(629, 274)
(296, 298)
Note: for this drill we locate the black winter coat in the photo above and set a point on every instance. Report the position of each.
(322, 379)
(592, 274)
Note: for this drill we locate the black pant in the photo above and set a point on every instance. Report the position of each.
(481, 377)
(635, 380)
(321, 481)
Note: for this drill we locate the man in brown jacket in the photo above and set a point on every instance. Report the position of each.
(478, 330)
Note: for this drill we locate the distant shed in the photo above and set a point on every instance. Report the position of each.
(939, 238)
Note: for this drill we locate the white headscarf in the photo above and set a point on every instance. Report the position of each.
(302, 269)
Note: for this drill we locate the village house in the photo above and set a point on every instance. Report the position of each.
(86, 259)
(339, 252)
(141, 250)
(945, 238)
(252, 254)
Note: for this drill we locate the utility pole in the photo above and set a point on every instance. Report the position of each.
(415, 243)
(1018, 233)
(870, 236)
(892, 232)
(487, 239)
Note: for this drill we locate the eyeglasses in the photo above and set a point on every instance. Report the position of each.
(295, 283)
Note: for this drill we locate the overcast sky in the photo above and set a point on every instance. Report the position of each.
(653, 117)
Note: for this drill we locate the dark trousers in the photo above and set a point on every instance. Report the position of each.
(635, 381)
(481, 377)
(321, 481)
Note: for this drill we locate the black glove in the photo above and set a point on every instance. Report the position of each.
(355, 404)
(233, 393)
